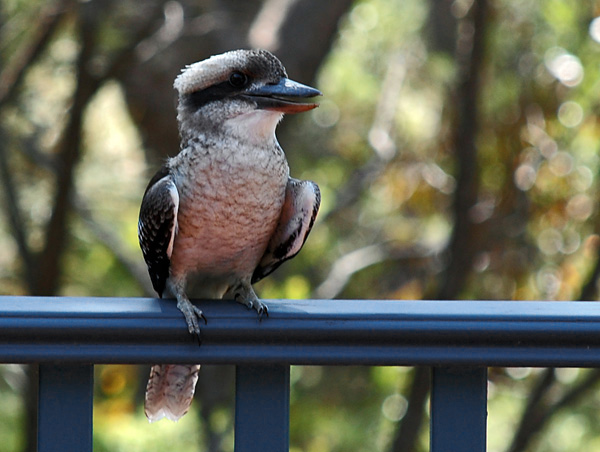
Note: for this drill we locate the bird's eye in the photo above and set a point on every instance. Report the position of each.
(238, 79)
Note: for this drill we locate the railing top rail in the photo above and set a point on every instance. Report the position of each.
(348, 332)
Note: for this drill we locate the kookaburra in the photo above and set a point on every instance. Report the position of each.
(224, 212)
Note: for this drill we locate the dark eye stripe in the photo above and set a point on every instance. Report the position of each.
(220, 91)
(235, 84)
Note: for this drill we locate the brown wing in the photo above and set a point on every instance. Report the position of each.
(157, 227)
(302, 201)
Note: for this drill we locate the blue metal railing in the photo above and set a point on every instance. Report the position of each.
(459, 339)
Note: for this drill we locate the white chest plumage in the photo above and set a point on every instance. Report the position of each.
(230, 203)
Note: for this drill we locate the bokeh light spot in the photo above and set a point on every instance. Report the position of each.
(549, 280)
(595, 29)
(394, 407)
(570, 114)
(550, 241)
(580, 207)
(525, 177)
(566, 68)
(561, 164)
(327, 115)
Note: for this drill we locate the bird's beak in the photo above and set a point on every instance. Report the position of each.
(284, 96)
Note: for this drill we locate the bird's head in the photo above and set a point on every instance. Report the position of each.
(245, 92)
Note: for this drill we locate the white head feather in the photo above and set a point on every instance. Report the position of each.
(217, 68)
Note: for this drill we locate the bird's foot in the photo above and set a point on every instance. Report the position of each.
(192, 315)
(244, 294)
(255, 304)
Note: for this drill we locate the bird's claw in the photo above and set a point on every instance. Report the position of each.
(199, 312)
(192, 314)
(257, 305)
(262, 309)
(244, 294)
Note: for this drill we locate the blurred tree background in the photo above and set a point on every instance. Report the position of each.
(456, 148)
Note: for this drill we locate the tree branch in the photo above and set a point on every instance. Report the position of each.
(12, 76)
(14, 215)
(461, 249)
(106, 236)
(347, 265)
(69, 151)
(379, 137)
(535, 415)
(530, 419)
(407, 433)
(301, 38)
(539, 416)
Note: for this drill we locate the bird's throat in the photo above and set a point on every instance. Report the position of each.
(256, 127)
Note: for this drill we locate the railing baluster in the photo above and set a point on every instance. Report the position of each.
(65, 408)
(458, 409)
(262, 408)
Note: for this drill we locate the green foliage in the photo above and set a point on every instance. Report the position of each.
(13, 409)
(119, 432)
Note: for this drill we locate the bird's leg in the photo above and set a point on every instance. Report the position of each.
(190, 312)
(243, 293)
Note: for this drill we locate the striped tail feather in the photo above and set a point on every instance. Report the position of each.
(170, 391)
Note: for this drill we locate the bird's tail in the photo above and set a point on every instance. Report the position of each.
(170, 391)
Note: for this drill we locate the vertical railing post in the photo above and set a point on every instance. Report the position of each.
(262, 408)
(65, 408)
(458, 409)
